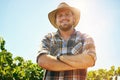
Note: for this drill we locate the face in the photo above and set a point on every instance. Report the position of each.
(65, 19)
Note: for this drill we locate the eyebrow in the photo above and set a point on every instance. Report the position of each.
(68, 11)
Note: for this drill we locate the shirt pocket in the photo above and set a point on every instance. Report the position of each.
(77, 49)
(54, 48)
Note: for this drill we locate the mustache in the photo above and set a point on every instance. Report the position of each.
(64, 20)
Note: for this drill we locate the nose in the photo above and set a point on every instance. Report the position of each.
(64, 16)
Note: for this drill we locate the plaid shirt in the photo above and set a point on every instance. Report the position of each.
(54, 45)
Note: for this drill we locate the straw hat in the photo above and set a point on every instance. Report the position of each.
(62, 5)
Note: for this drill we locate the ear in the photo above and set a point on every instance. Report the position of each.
(73, 21)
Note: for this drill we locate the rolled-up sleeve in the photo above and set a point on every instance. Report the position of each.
(44, 47)
(89, 46)
(86, 46)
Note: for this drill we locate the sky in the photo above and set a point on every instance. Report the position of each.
(23, 23)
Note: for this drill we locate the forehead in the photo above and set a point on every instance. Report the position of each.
(63, 10)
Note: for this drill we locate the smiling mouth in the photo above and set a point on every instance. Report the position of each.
(65, 21)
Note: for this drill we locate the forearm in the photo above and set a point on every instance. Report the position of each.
(79, 61)
(49, 62)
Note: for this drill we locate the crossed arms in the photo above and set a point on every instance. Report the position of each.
(69, 62)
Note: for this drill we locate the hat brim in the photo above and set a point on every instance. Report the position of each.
(75, 11)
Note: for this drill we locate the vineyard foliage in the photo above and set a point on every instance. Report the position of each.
(19, 69)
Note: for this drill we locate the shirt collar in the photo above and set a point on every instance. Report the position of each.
(57, 34)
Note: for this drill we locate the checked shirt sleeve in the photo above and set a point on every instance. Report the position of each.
(89, 46)
(44, 46)
(86, 46)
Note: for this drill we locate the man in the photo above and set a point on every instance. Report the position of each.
(67, 53)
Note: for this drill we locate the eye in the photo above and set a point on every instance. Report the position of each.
(59, 15)
(68, 14)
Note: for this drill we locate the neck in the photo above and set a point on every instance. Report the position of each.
(66, 34)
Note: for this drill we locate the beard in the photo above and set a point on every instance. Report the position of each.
(65, 27)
